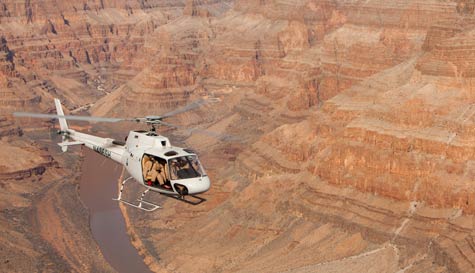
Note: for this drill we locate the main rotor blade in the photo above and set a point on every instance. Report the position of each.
(189, 107)
(200, 131)
(84, 118)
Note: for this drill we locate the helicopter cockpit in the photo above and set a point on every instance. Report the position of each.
(185, 167)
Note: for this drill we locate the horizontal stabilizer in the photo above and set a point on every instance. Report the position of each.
(70, 143)
(65, 144)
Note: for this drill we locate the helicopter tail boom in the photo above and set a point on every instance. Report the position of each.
(62, 121)
(104, 146)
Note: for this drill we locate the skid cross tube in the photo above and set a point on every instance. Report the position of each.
(149, 206)
(196, 200)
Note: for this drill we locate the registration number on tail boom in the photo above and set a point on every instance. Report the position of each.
(102, 151)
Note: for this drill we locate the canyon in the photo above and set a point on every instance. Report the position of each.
(353, 119)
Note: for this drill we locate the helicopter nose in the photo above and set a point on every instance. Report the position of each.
(196, 185)
(207, 184)
(204, 184)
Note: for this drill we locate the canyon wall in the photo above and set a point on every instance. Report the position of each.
(78, 52)
(354, 122)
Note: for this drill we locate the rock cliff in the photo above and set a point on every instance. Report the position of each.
(78, 52)
(356, 119)
(355, 123)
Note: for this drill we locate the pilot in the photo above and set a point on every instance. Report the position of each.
(183, 163)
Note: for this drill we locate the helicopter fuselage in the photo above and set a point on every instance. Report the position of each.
(131, 155)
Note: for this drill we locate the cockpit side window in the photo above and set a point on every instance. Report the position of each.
(185, 167)
(195, 164)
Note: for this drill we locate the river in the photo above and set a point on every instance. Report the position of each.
(98, 186)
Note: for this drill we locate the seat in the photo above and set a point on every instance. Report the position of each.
(145, 159)
(173, 171)
(166, 172)
(146, 166)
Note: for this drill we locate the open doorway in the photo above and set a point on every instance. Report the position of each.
(154, 171)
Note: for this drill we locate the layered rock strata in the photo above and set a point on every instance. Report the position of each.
(355, 122)
(377, 171)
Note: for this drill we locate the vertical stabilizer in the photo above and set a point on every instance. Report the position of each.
(62, 121)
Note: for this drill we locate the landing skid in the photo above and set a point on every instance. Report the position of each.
(149, 206)
(181, 198)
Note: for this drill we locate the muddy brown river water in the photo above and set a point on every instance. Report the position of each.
(98, 186)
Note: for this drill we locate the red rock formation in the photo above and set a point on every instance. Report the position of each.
(386, 156)
(356, 119)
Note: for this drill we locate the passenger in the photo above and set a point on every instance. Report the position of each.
(158, 173)
(162, 177)
(152, 173)
(174, 168)
(146, 165)
(166, 175)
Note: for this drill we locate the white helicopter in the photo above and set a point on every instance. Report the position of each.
(149, 158)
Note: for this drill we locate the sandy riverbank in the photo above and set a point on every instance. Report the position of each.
(135, 240)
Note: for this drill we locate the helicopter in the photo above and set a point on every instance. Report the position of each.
(149, 158)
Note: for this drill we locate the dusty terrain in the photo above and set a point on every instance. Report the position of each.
(355, 122)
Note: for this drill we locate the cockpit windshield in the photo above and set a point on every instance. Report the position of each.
(184, 167)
